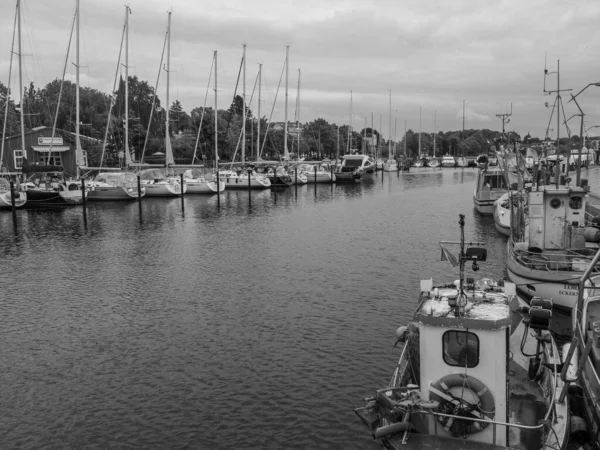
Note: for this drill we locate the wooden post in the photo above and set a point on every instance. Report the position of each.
(83, 191)
(181, 182)
(139, 197)
(218, 189)
(315, 175)
(12, 202)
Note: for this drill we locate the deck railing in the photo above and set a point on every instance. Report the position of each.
(555, 261)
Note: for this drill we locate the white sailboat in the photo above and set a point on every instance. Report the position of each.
(17, 196)
(110, 184)
(157, 183)
(391, 165)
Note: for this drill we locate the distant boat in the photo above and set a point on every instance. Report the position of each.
(114, 186)
(461, 161)
(157, 184)
(48, 187)
(448, 161)
(199, 182)
(245, 179)
(489, 187)
(354, 168)
(434, 163)
(20, 196)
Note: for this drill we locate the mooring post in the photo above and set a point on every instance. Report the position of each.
(139, 195)
(83, 196)
(12, 202)
(218, 190)
(181, 183)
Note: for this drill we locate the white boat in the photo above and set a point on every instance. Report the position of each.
(241, 180)
(465, 379)
(199, 182)
(552, 245)
(19, 194)
(298, 177)
(489, 187)
(502, 214)
(391, 165)
(355, 167)
(158, 185)
(114, 186)
(317, 173)
(461, 161)
(379, 164)
(448, 161)
(434, 163)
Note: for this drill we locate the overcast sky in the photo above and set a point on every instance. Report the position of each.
(431, 54)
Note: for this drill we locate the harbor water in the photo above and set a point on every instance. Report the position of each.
(257, 324)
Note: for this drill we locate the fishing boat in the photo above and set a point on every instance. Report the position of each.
(448, 161)
(114, 186)
(585, 360)
(478, 369)
(502, 214)
(552, 243)
(489, 187)
(354, 168)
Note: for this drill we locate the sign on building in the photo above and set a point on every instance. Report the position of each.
(50, 140)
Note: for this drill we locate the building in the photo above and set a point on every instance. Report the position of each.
(41, 148)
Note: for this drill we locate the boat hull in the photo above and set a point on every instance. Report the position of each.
(164, 190)
(347, 177)
(280, 180)
(502, 219)
(40, 198)
(204, 187)
(6, 202)
(241, 183)
(112, 194)
(321, 177)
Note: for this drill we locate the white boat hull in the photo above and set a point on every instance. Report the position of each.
(321, 177)
(502, 217)
(204, 187)
(6, 202)
(113, 193)
(164, 190)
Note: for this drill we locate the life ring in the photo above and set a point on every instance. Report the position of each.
(463, 395)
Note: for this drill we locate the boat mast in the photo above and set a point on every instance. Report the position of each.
(373, 149)
(127, 154)
(434, 130)
(78, 150)
(390, 133)
(298, 117)
(364, 146)
(405, 138)
(216, 136)
(21, 79)
(286, 153)
(258, 125)
(12, 48)
(419, 132)
(168, 150)
(557, 173)
(244, 106)
(350, 128)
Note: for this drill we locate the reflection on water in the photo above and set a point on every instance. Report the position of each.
(259, 324)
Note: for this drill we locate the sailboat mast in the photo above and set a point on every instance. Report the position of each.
(419, 131)
(434, 130)
(168, 156)
(364, 146)
(216, 137)
(350, 127)
(126, 126)
(285, 125)
(298, 117)
(405, 138)
(12, 49)
(244, 107)
(390, 126)
(373, 148)
(21, 78)
(258, 126)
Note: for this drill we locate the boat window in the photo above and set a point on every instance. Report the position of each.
(460, 348)
(494, 181)
(353, 162)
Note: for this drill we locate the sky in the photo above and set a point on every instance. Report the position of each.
(440, 60)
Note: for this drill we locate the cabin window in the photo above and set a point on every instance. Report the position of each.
(494, 181)
(18, 159)
(460, 348)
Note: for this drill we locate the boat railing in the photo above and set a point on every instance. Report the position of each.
(555, 261)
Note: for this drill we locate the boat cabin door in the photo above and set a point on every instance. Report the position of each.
(555, 206)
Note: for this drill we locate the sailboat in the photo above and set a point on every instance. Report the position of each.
(47, 186)
(391, 165)
(156, 182)
(18, 197)
(111, 185)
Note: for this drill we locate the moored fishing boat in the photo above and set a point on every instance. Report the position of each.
(552, 243)
(478, 369)
(489, 187)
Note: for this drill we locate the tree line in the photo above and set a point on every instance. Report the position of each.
(193, 135)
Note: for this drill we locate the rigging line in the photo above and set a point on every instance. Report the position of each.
(203, 109)
(12, 48)
(154, 97)
(272, 109)
(61, 87)
(233, 103)
(243, 125)
(110, 98)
